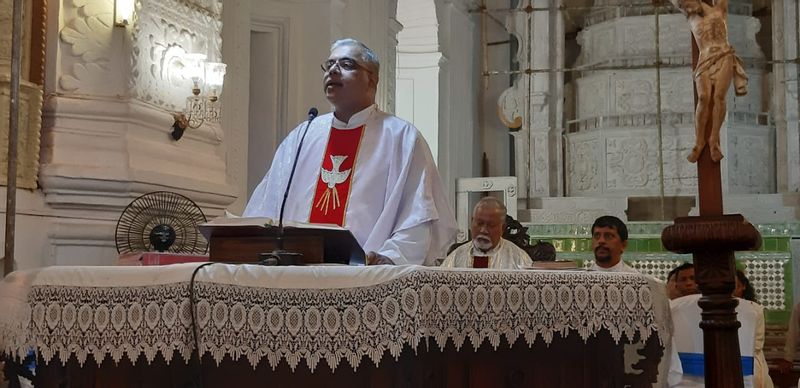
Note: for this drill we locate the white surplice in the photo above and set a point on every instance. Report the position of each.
(619, 267)
(397, 205)
(506, 255)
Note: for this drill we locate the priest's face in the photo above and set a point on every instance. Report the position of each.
(607, 246)
(349, 84)
(488, 223)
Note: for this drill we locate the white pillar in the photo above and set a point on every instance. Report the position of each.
(418, 57)
(536, 99)
(459, 154)
(785, 86)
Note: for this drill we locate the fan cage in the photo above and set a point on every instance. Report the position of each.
(161, 207)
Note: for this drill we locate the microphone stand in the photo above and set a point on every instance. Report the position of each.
(280, 256)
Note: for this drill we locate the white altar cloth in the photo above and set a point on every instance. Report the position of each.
(311, 313)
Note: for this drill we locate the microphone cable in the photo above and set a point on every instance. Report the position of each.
(196, 372)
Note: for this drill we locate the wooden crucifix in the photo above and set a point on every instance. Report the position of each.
(713, 237)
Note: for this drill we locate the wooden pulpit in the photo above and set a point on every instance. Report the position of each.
(245, 239)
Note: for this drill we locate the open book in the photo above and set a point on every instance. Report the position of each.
(262, 222)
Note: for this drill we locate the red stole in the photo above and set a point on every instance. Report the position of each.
(335, 176)
(480, 261)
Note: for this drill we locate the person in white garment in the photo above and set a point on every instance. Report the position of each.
(360, 168)
(609, 240)
(488, 248)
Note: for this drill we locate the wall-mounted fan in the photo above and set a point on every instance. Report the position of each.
(161, 221)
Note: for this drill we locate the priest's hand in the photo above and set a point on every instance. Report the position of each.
(374, 258)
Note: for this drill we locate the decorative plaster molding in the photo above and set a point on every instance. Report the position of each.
(86, 34)
(164, 32)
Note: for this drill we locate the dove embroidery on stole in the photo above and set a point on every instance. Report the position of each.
(335, 176)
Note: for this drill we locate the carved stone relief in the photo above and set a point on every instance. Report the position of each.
(532, 103)
(619, 109)
(750, 159)
(540, 163)
(602, 38)
(639, 36)
(592, 96)
(164, 32)
(85, 41)
(584, 167)
(510, 106)
(674, 96)
(632, 163)
(680, 177)
(513, 102)
(634, 96)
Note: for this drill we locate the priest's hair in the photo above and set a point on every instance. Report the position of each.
(491, 202)
(366, 56)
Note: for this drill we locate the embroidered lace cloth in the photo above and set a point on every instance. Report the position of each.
(313, 313)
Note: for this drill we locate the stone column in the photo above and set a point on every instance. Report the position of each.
(534, 104)
(458, 91)
(418, 57)
(785, 105)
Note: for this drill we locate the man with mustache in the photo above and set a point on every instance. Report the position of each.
(360, 168)
(488, 248)
(609, 240)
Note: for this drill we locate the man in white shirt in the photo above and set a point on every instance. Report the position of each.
(362, 169)
(609, 240)
(488, 248)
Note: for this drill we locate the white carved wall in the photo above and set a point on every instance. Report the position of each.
(613, 142)
(107, 115)
(534, 103)
(459, 91)
(163, 33)
(785, 86)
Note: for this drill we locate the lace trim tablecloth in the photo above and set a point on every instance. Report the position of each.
(112, 312)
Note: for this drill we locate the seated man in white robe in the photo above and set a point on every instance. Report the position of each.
(488, 248)
(362, 169)
(609, 240)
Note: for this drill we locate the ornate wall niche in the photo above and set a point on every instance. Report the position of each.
(164, 31)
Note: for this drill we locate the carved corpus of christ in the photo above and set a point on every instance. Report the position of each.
(717, 65)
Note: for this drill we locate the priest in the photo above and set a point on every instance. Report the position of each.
(360, 168)
(488, 248)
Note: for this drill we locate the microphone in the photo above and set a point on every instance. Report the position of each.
(276, 257)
